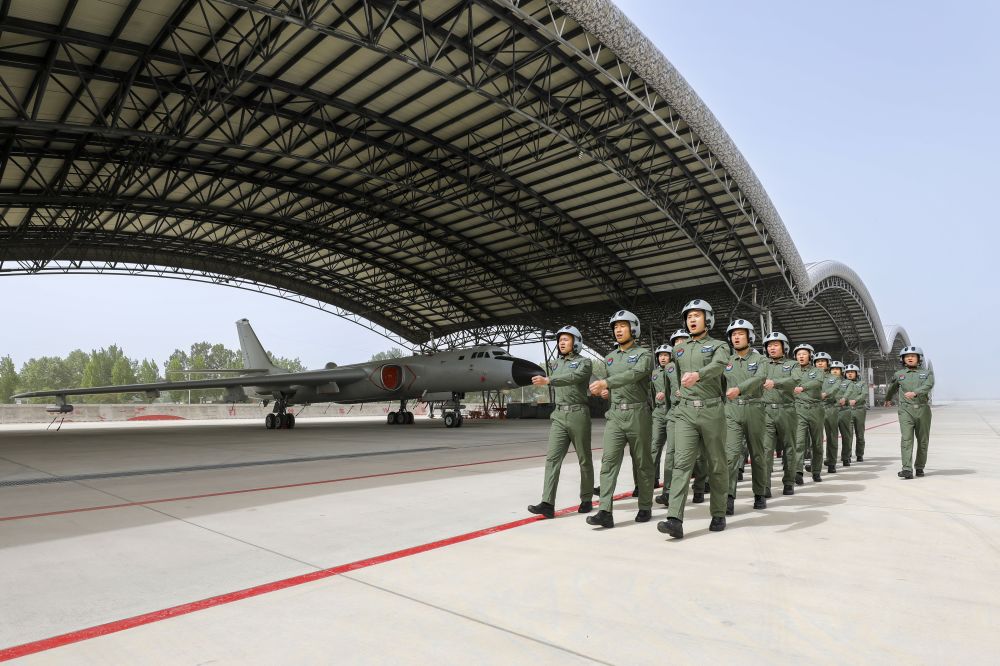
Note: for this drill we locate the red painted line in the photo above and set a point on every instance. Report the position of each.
(44, 644)
(264, 488)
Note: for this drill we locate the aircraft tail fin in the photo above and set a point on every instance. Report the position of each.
(254, 355)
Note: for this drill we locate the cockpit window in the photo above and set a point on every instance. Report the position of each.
(503, 357)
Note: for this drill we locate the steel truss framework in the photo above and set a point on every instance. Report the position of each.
(444, 172)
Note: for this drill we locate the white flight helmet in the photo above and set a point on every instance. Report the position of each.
(633, 321)
(577, 338)
(851, 367)
(744, 324)
(679, 333)
(823, 356)
(704, 306)
(808, 348)
(663, 349)
(780, 337)
(912, 350)
(837, 364)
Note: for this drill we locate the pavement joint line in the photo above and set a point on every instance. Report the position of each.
(264, 488)
(45, 644)
(469, 618)
(54, 478)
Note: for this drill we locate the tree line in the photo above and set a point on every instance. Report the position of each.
(111, 366)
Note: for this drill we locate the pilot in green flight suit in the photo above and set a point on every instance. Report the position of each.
(745, 376)
(809, 410)
(857, 403)
(701, 418)
(625, 381)
(570, 421)
(661, 405)
(779, 408)
(674, 396)
(845, 425)
(830, 397)
(915, 382)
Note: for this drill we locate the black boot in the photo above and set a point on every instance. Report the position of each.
(767, 494)
(809, 467)
(920, 472)
(602, 518)
(845, 463)
(739, 475)
(597, 491)
(635, 492)
(730, 505)
(718, 524)
(585, 507)
(817, 478)
(861, 458)
(671, 526)
(543, 509)
(759, 502)
(643, 516)
(798, 479)
(905, 474)
(831, 469)
(698, 498)
(789, 490)
(663, 499)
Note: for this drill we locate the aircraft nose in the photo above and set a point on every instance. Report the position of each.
(522, 371)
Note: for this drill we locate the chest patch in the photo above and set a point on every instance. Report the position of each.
(831, 381)
(574, 365)
(632, 359)
(751, 367)
(902, 377)
(923, 376)
(786, 368)
(707, 349)
(812, 375)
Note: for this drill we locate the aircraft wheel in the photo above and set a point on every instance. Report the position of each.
(282, 420)
(450, 420)
(409, 418)
(291, 421)
(270, 422)
(390, 418)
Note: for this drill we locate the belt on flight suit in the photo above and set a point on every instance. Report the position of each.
(570, 408)
(701, 402)
(745, 401)
(626, 406)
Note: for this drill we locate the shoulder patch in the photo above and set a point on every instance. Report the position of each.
(610, 361)
(670, 368)
(902, 377)
(729, 367)
(679, 353)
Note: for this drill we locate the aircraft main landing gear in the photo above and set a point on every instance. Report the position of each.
(280, 419)
(402, 417)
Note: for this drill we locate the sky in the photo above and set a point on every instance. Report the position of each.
(872, 126)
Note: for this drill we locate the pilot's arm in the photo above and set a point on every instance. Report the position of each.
(641, 369)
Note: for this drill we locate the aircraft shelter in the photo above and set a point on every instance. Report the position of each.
(443, 172)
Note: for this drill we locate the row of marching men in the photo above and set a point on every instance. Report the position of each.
(710, 399)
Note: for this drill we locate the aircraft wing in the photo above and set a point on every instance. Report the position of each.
(307, 378)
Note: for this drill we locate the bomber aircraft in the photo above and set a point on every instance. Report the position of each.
(442, 377)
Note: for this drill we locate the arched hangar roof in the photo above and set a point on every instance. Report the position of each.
(443, 170)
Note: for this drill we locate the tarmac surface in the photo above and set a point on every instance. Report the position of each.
(351, 541)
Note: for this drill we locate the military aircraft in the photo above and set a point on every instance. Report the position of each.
(442, 377)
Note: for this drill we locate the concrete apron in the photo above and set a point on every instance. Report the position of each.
(863, 566)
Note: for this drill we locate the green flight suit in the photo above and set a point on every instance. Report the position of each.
(673, 395)
(845, 421)
(809, 410)
(780, 418)
(831, 414)
(661, 408)
(629, 422)
(914, 413)
(701, 423)
(745, 420)
(569, 423)
(859, 413)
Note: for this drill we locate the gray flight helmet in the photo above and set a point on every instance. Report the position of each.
(776, 336)
(745, 325)
(577, 337)
(704, 306)
(633, 322)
